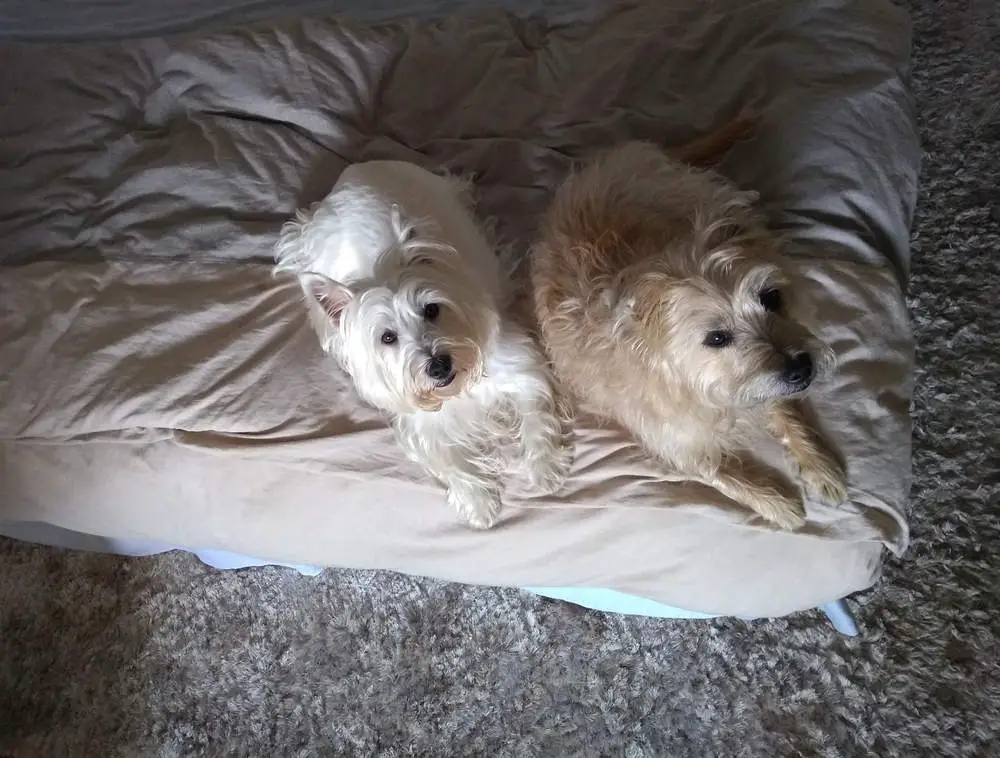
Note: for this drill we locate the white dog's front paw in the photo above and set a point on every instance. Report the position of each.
(546, 474)
(479, 508)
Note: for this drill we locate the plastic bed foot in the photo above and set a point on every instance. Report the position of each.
(840, 617)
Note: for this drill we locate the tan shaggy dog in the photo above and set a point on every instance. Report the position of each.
(663, 302)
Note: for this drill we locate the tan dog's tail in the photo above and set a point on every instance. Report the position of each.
(710, 149)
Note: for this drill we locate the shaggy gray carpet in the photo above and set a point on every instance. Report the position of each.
(102, 656)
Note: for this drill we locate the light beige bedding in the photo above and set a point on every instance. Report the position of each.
(158, 383)
(190, 404)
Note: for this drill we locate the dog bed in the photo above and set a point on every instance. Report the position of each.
(161, 387)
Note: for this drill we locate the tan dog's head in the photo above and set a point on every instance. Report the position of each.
(717, 313)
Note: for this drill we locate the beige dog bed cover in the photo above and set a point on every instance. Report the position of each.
(159, 383)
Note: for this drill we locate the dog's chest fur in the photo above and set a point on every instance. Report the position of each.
(490, 402)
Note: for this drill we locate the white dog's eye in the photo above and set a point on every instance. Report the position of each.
(771, 300)
(388, 337)
(719, 338)
(431, 311)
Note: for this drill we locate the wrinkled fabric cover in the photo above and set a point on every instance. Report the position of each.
(75, 20)
(159, 383)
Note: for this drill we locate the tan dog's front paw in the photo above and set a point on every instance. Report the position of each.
(827, 481)
(769, 496)
(785, 510)
(479, 508)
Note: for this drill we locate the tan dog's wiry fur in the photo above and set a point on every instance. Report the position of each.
(662, 301)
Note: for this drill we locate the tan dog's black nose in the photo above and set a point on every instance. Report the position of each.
(798, 371)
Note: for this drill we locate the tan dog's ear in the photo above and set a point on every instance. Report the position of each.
(331, 296)
(620, 304)
(730, 221)
(638, 298)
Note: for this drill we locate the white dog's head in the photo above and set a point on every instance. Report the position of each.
(414, 334)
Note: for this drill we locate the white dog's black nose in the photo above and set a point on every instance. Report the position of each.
(439, 367)
(798, 371)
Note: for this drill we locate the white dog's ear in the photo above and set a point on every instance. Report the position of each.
(403, 230)
(331, 296)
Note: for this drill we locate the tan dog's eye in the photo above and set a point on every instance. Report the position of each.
(718, 338)
(771, 300)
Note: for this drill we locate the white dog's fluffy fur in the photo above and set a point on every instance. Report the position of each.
(405, 291)
(662, 299)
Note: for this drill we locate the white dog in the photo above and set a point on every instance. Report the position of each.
(405, 292)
